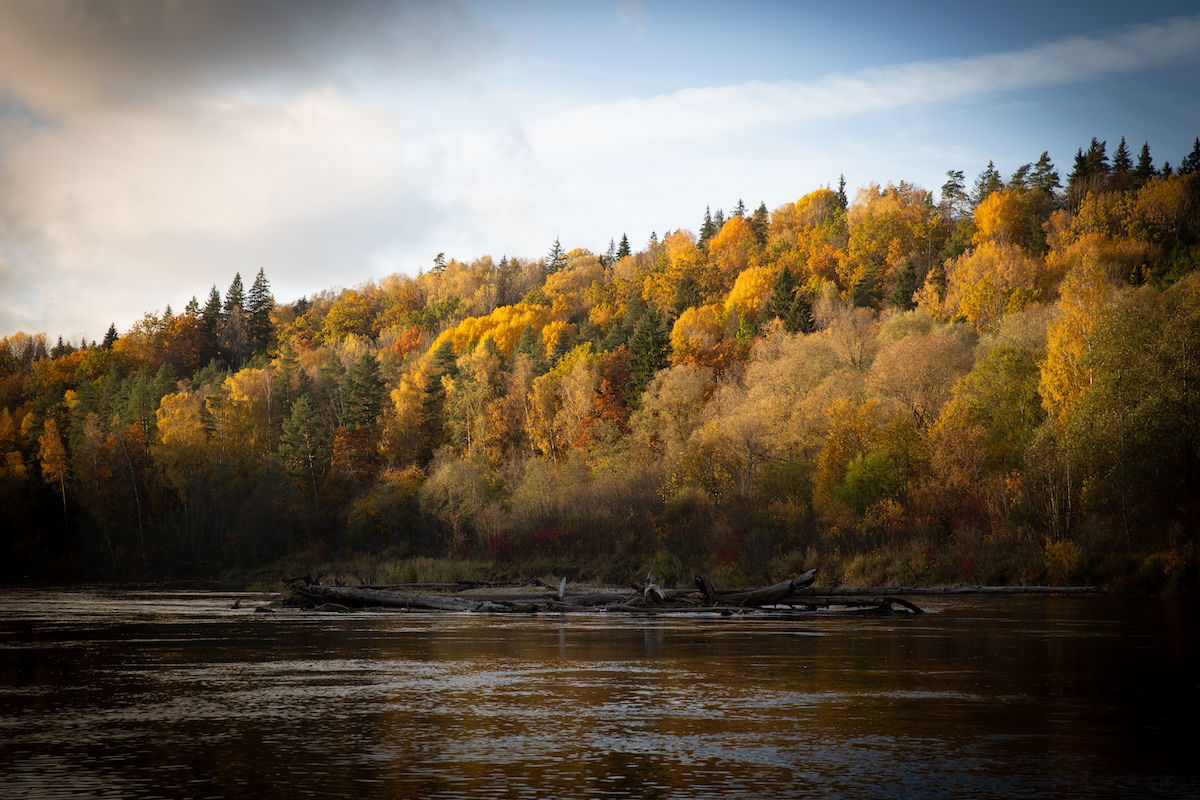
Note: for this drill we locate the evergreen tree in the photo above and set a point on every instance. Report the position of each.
(259, 304)
(799, 316)
(649, 347)
(193, 307)
(529, 346)
(623, 249)
(904, 287)
(955, 200)
(610, 255)
(505, 281)
(1191, 162)
(304, 444)
(1144, 170)
(1122, 163)
(718, 221)
(740, 209)
(562, 346)
(1044, 175)
(782, 295)
(363, 391)
(235, 297)
(988, 181)
(555, 260)
(1019, 180)
(1166, 170)
(168, 314)
(707, 228)
(439, 264)
(443, 364)
(687, 294)
(842, 201)
(110, 337)
(759, 223)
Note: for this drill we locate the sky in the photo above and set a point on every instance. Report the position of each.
(150, 150)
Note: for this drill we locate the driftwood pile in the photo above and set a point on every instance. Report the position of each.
(785, 598)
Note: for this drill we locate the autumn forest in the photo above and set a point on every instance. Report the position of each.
(994, 382)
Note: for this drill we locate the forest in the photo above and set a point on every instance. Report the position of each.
(999, 383)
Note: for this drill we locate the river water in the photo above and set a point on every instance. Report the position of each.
(140, 694)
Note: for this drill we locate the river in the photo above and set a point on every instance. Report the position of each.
(172, 694)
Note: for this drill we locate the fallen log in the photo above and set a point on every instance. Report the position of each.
(360, 597)
(755, 597)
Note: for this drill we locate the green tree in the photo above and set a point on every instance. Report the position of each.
(759, 223)
(1191, 162)
(259, 304)
(988, 181)
(904, 287)
(555, 259)
(110, 337)
(1144, 170)
(623, 248)
(304, 444)
(649, 348)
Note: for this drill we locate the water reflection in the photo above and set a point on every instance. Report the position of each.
(142, 694)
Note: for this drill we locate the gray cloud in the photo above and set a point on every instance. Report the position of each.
(56, 54)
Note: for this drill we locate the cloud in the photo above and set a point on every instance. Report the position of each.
(63, 54)
(702, 113)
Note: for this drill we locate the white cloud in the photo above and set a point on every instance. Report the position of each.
(708, 113)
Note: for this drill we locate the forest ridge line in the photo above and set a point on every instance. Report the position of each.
(993, 387)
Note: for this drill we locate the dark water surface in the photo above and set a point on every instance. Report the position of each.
(173, 694)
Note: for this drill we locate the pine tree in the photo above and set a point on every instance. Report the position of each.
(649, 347)
(193, 307)
(235, 296)
(707, 228)
(363, 392)
(555, 260)
(782, 295)
(1045, 176)
(1019, 180)
(439, 264)
(443, 364)
(1191, 162)
(1144, 170)
(842, 201)
(304, 444)
(955, 201)
(562, 346)
(759, 223)
(110, 337)
(610, 255)
(687, 294)
(529, 346)
(988, 181)
(799, 317)
(623, 249)
(718, 221)
(259, 304)
(740, 209)
(904, 288)
(1121, 162)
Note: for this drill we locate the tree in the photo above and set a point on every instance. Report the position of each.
(235, 295)
(1191, 162)
(623, 248)
(1144, 170)
(110, 337)
(52, 456)
(304, 444)
(363, 390)
(1044, 176)
(904, 287)
(649, 348)
(759, 223)
(707, 228)
(259, 304)
(842, 201)
(955, 201)
(555, 259)
(1122, 164)
(740, 209)
(988, 181)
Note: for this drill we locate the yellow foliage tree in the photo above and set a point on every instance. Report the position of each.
(1085, 293)
(751, 289)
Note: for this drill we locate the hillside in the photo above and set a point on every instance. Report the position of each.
(999, 386)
